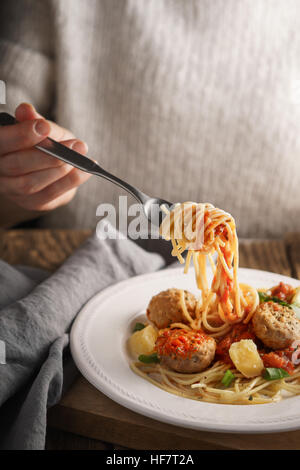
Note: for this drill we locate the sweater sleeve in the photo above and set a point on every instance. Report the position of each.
(27, 54)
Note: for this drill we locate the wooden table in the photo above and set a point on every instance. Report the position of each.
(87, 419)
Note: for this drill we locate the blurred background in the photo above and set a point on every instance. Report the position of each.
(188, 100)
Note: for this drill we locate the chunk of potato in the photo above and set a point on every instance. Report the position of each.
(296, 297)
(245, 357)
(143, 341)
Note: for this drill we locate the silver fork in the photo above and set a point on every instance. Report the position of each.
(151, 205)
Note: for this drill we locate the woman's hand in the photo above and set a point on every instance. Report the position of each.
(29, 178)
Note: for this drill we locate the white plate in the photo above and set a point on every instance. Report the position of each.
(98, 345)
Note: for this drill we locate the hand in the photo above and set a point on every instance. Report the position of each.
(30, 178)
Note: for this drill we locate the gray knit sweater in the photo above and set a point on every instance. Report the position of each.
(187, 99)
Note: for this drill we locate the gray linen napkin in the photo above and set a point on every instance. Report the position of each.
(34, 323)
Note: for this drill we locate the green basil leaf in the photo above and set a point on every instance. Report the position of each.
(263, 297)
(148, 359)
(275, 373)
(227, 379)
(138, 327)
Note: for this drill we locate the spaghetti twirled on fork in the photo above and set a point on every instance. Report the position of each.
(203, 230)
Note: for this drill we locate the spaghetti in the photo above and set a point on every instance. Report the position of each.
(223, 311)
(207, 385)
(203, 230)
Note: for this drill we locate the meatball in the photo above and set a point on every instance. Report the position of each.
(276, 325)
(164, 308)
(185, 351)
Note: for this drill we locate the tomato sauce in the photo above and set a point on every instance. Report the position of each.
(283, 358)
(278, 359)
(283, 292)
(180, 342)
(238, 332)
(221, 230)
(227, 288)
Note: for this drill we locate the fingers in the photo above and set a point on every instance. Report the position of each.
(33, 160)
(26, 184)
(26, 111)
(29, 177)
(55, 194)
(59, 201)
(23, 135)
(32, 183)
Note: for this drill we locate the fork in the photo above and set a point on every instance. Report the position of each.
(151, 205)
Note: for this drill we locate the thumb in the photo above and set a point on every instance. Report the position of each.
(26, 112)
